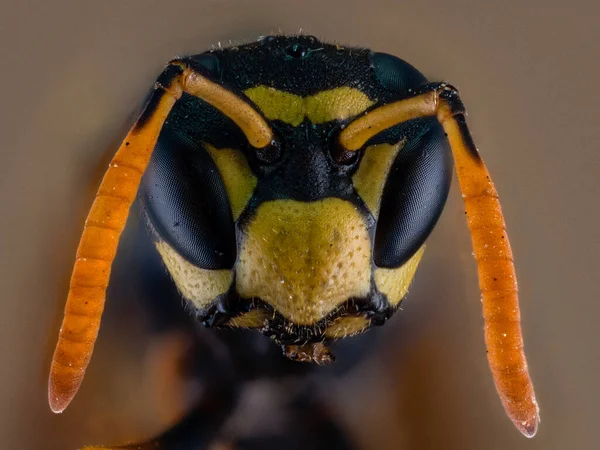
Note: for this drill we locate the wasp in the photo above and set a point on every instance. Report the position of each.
(289, 186)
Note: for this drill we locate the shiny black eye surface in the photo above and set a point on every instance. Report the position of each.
(396, 74)
(206, 62)
(185, 201)
(413, 197)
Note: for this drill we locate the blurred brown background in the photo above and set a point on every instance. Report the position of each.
(73, 73)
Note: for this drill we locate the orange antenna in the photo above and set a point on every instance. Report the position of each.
(497, 278)
(108, 215)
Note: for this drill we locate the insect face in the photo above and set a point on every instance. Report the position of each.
(301, 240)
(289, 186)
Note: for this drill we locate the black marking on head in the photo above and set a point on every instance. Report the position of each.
(301, 166)
(296, 51)
(202, 122)
(190, 188)
(268, 155)
(301, 65)
(305, 171)
(283, 331)
(225, 307)
(414, 196)
(186, 202)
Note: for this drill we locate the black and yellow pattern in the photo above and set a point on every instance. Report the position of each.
(287, 239)
(290, 186)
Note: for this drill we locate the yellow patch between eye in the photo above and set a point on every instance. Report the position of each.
(199, 286)
(372, 173)
(237, 177)
(305, 258)
(347, 326)
(334, 104)
(394, 283)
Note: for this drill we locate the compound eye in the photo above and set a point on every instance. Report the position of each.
(207, 61)
(186, 204)
(413, 197)
(396, 74)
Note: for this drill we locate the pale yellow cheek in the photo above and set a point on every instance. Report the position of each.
(199, 286)
(394, 283)
(305, 259)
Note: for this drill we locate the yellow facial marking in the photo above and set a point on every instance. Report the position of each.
(394, 283)
(372, 173)
(199, 286)
(236, 175)
(305, 258)
(252, 319)
(347, 326)
(334, 104)
(277, 105)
